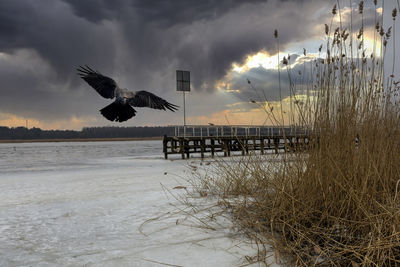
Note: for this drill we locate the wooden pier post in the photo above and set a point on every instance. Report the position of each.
(262, 146)
(243, 146)
(187, 148)
(181, 148)
(224, 148)
(212, 147)
(202, 148)
(165, 147)
(276, 143)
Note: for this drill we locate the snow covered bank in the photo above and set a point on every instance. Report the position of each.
(100, 204)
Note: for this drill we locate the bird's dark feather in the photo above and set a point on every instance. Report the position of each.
(147, 99)
(104, 85)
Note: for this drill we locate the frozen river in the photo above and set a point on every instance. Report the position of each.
(102, 204)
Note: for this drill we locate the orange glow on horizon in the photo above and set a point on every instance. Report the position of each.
(12, 120)
(259, 114)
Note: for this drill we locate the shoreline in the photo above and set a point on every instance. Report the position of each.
(81, 139)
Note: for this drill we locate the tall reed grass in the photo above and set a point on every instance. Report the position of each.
(337, 204)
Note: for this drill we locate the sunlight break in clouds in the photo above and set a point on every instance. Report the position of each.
(260, 59)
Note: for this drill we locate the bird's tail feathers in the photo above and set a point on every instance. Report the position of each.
(118, 112)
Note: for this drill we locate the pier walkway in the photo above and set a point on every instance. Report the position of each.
(210, 140)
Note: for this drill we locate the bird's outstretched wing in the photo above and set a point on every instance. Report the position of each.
(104, 85)
(147, 99)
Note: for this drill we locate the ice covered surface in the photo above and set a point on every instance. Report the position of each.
(103, 204)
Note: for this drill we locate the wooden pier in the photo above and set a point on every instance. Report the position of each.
(226, 140)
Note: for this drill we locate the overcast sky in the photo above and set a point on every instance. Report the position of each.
(140, 43)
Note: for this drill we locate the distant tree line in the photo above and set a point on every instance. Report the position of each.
(21, 133)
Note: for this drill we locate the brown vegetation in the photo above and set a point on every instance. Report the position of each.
(338, 204)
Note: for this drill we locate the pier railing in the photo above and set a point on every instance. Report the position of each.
(236, 130)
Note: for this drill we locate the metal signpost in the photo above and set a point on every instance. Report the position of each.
(183, 85)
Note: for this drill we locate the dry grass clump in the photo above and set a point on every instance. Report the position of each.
(338, 203)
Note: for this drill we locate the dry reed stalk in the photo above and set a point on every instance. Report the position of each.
(337, 204)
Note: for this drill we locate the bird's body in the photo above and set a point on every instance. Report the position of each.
(122, 95)
(122, 108)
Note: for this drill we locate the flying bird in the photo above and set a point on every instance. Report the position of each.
(122, 108)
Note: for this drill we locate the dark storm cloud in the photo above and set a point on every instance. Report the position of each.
(42, 42)
(29, 87)
(140, 43)
(49, 28)
(208, 42)
(167, 12)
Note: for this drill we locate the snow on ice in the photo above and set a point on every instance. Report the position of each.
(104, 204)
